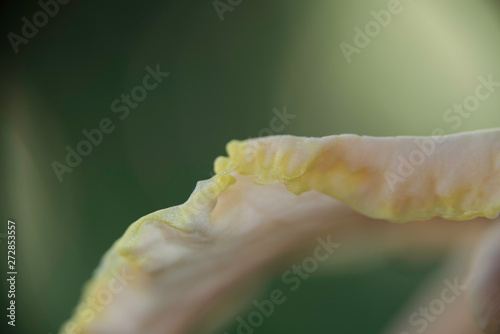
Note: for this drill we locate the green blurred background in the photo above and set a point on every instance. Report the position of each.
(226, 77)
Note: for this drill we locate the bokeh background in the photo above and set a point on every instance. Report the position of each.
(226, 78)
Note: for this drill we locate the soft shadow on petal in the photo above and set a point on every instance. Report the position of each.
(485, 294)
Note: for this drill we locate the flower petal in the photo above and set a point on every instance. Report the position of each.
(194, 264)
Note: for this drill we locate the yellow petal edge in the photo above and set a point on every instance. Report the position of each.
(394, 178)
